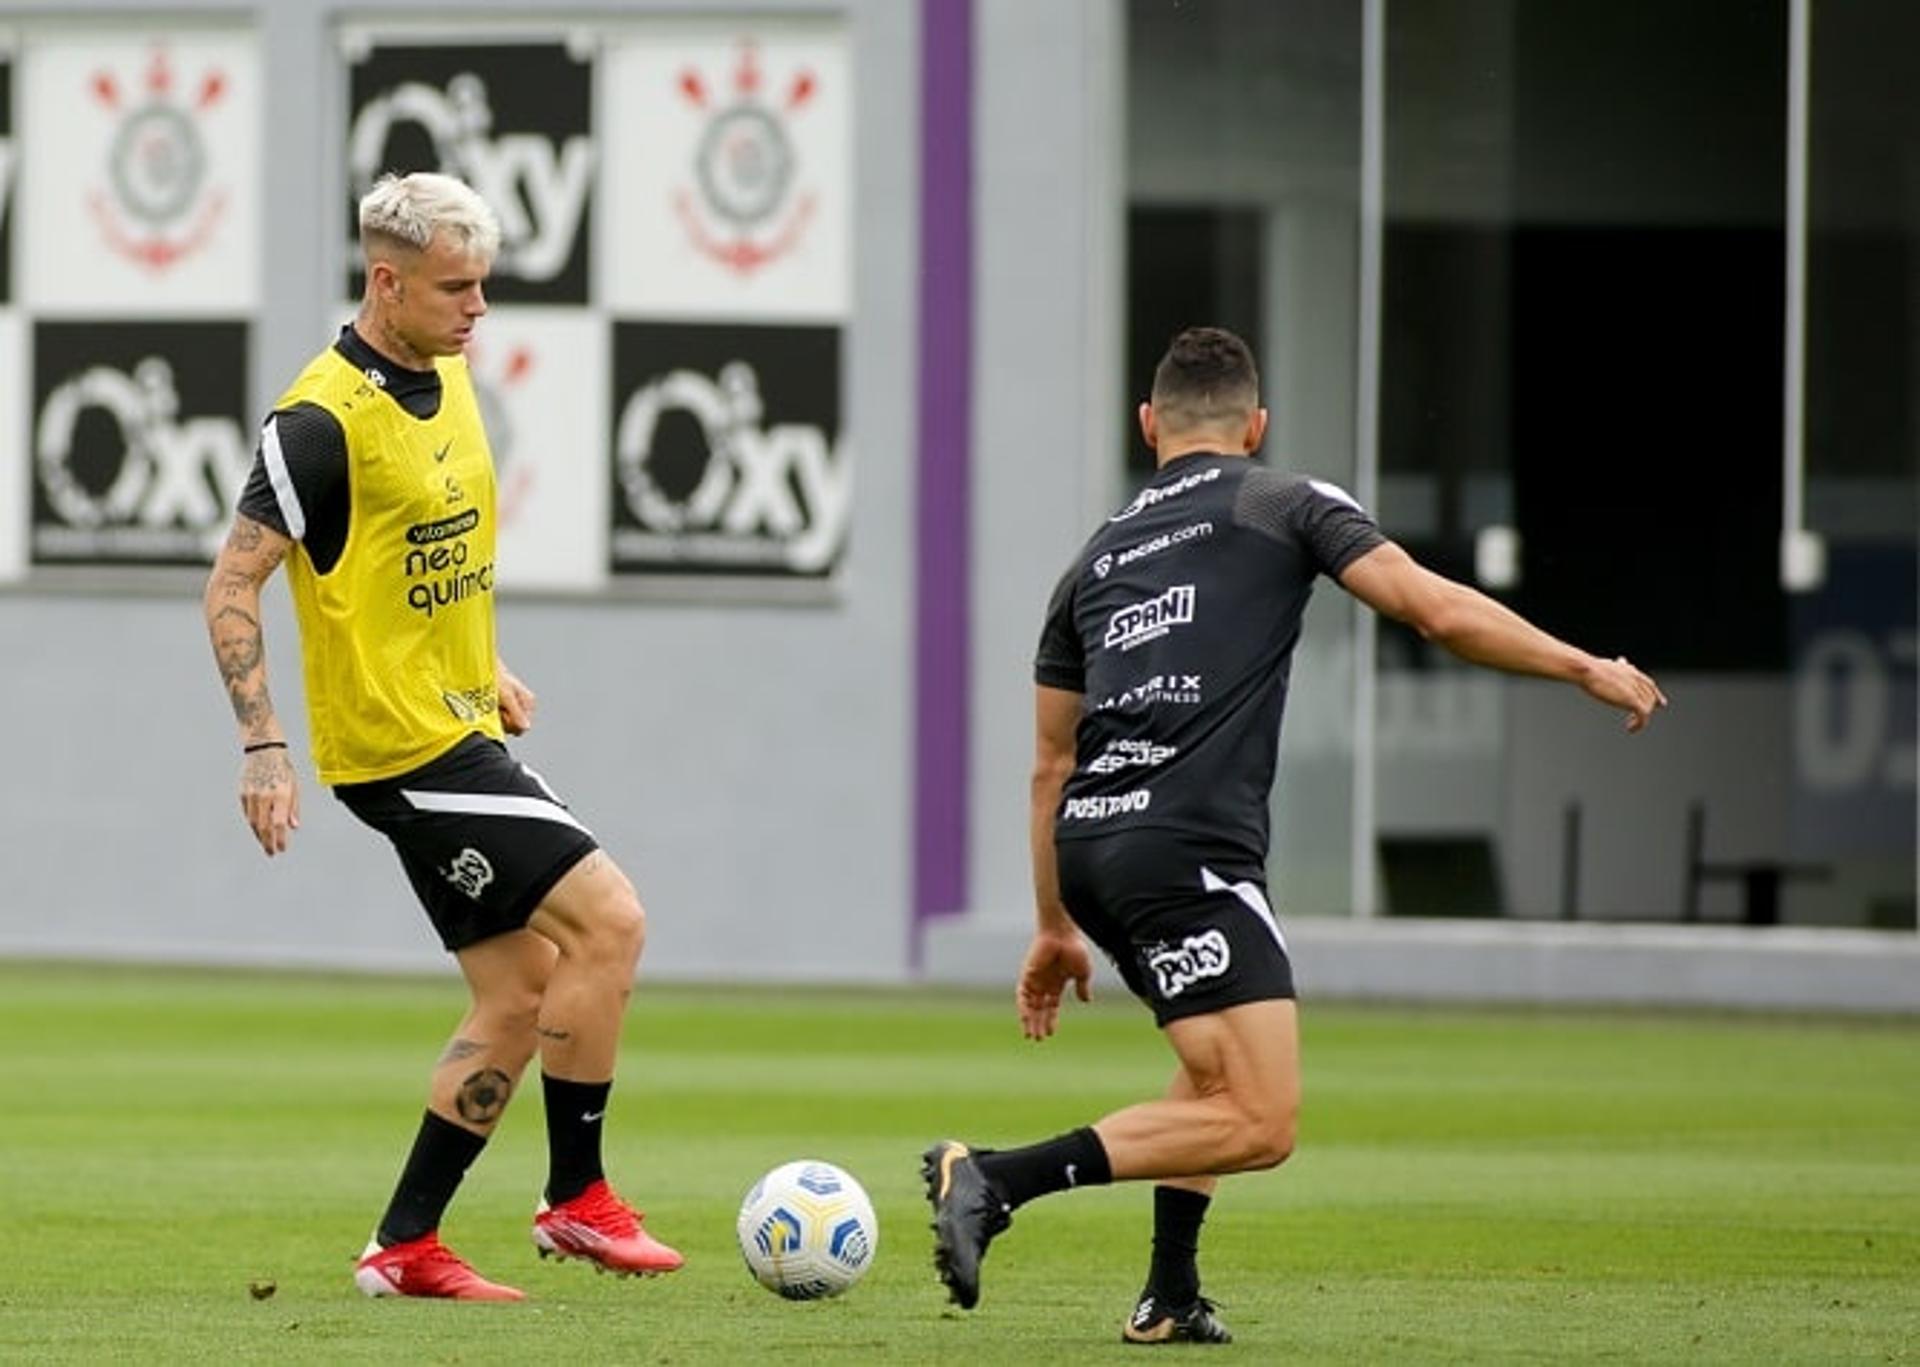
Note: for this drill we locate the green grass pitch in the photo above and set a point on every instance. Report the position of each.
(1471, 1186)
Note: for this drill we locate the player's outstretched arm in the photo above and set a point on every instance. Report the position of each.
(1058, 954)
(268, 796)
(1484, 632)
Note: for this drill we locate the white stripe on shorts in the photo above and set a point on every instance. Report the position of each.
(1248, 893)
(282, 480)
(493, 804)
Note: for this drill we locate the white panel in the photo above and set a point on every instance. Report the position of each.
(728, 179)
(541, 374)
(140, 170)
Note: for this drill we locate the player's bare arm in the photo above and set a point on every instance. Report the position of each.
(269, 797)
(1485, 632)
(517, 701)
(1058, 954)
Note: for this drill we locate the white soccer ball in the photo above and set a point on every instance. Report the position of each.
(807, 1230)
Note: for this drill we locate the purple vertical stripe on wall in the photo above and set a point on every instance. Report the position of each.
(941, 605)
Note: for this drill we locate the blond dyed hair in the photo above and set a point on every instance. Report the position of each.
(411, 210)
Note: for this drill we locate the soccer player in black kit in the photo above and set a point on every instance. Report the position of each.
(1161, 677)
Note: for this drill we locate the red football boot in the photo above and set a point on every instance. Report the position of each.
(598, 1226)
(425, 1267)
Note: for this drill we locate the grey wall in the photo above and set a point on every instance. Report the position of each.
(751, 766)
(747, 765)
(1047, 403)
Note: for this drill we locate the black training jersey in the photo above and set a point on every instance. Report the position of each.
(1177, 625)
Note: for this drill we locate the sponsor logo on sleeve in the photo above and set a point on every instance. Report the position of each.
(1138, 623)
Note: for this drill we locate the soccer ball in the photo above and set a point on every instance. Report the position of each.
(807, 1230)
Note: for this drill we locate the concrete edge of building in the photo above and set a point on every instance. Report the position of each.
(1513, 962)
(1541, 962)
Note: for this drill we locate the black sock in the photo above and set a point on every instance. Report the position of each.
(442, 1153)
(1175, 1277)
(575, 1111)
(1075, 1159)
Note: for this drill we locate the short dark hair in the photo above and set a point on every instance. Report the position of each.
(1206, 379)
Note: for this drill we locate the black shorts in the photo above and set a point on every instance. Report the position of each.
(481, 836)
(1185, 922)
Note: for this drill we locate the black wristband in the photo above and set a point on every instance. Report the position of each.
(263, 745)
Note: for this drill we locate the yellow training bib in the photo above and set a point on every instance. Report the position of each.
(398, 637)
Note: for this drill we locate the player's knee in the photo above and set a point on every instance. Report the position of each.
(510, 1010)
(619, 929)
(1269, 1141)
(521, 1014)
(1264, 1137)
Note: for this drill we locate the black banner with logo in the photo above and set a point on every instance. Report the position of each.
(140, 440)
(514, 121)
(726, 450)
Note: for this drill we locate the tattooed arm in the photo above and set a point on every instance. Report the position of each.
(268, 796)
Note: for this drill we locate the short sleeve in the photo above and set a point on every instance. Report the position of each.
(1321, 517)
(1061, 660)
(298, 483)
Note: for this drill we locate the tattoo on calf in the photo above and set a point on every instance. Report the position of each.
(461, 1048)
(483, 1096)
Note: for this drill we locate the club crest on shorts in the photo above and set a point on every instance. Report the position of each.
(470, 872)
(1175, 968)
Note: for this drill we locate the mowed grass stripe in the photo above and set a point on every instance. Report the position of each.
(1474, 1186)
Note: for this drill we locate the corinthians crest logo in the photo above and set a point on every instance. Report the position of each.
(157, 205)
(495, 381)
(746, 207)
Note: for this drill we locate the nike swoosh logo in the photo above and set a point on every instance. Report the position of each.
(441, 454)
(954, 1154)
(588, 1117)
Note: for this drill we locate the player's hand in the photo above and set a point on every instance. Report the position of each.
(270, 799)
(1054, 959)
(1618, 684)
(516, 704)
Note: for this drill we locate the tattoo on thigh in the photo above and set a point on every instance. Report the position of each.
(460, 1048)
(483, 1096)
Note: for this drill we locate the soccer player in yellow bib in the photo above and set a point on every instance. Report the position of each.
(373, 483)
